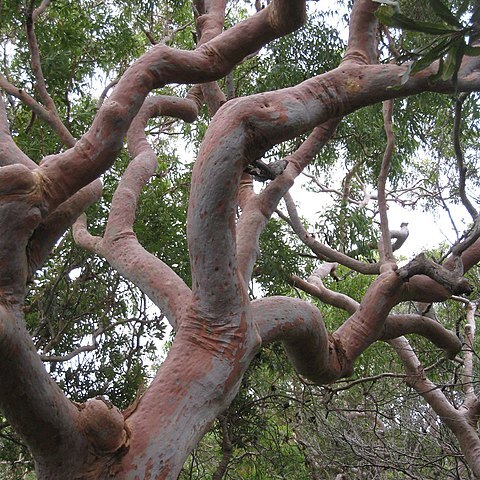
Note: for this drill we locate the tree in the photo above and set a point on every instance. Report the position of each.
(219, 329)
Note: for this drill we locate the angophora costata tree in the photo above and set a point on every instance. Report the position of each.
(218, 329)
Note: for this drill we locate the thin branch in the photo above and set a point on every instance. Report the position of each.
(65, 136)
(94, 345)
(227, 449)
(258, 209)
(40, 9)
(457, 123)
(321, 250)
(470, 396)
(385, 243)
(105, 91)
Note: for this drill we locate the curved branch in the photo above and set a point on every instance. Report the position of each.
(403, 324)
(98, 148)
(323, 251)
(396, 325)
(28, 100)
(209, 25)
(257, 210)
(119, 245)
(299, 325)
(459, 154)
(82, 236)
(400, 236)
(54, 226)
(9, 152)
(41, 9)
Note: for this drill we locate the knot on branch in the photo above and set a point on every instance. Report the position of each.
(103, 424)
(452, 280)
(263, 171)
(327, 268)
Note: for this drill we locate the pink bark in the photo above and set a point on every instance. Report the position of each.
(216, 324)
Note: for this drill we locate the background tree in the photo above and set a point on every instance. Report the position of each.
(248, 281)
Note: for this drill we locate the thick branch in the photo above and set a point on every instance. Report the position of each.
(54, 226)
(403, 324)
(209, 25)
(395, 325)
(97, 149)
(362, 38)
(299, 325)
(37, 409)
(452, 280)
(120, 246)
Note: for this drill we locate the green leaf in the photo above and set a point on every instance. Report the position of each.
(441, 68)
(472, 51)
(434, 54)
(388, 17)
(444, 13)
(454, 60)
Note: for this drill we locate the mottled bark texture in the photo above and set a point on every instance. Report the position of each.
(218, 330)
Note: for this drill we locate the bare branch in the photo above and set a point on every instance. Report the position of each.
(459, 154)
(468, 378)
(400, 236)
(456, 420)
(385, 243)
(82, 236)
(362, 41)
(40, 9)
(55, 121)
(399, 325)
(323, 251)
(257, 210)
(119, 245)
(300, 326)
(105, 91)
(450, 279)
(97, 149)
(326, 295)
(54, 226)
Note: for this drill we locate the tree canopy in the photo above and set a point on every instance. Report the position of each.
(211, 257)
